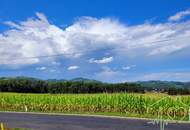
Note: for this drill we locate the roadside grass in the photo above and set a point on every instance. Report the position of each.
(148, 105)
(4, 127)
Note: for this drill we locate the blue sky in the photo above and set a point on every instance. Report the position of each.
(107, 40)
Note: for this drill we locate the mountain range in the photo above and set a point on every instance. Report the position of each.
(156, 84)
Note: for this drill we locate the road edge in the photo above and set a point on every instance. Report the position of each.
(92, 115)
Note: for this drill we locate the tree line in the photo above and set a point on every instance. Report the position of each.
(31, 85)
(178, 91)
(25, 85)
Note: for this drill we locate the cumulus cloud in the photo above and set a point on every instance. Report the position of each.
(128, 67)
(41, 68)
(47, 69)
(33, 38)
(38, 37)
(178, 16)
(74, 67)
(101, 61)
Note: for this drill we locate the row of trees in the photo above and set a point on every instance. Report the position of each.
(30, 85)
(178, 91)
(24, 85)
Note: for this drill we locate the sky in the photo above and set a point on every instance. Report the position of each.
(107, 40)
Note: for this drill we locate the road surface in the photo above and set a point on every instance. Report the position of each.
(71, 122)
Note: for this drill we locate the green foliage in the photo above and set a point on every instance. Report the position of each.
(81, 85)
(178, 91)
(123, 103)
(30, 85)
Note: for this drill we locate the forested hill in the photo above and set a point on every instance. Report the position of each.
(164, 84)
(83, 85)
(78, 85)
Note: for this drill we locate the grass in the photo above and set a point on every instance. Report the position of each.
(132, 105)
(4, 127)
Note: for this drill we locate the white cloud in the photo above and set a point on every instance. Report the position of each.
(165, 76)
(178, 16)
(55, 63)
(46, 69)
(128, 67)
(41, 68)
(101, 61)
(74, 67)
(37, 37)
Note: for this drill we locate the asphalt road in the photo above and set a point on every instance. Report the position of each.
(68, 122)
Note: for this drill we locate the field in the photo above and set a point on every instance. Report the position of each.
(123, 104)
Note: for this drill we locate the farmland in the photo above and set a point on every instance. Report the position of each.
(122, 104)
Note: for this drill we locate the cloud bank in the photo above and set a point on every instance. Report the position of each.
(37, 37)
(88, 37)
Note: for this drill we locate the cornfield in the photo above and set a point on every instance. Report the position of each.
(140, 105)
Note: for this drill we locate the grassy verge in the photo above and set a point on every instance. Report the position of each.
(4, 127)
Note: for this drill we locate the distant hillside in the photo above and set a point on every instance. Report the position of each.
(77, 85)
(19, 77)
(145, 84)
(84, 80)
(164, 84)
(80, 79)
(74, 80)
(56, 80)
